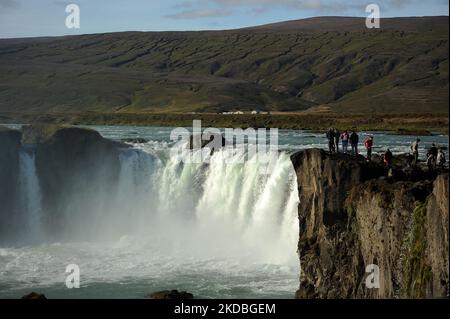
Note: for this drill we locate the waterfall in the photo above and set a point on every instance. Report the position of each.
(30, 216)
(214, 209)
(218, 229)
(250, 210)
(200, 210)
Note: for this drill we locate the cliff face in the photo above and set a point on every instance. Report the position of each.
(9, 172)
(437, 223)
(74, 166)
(386, 221)
(352, 217)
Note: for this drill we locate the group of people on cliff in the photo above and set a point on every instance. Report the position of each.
(435, 155)
(346, 138)
(334, 136)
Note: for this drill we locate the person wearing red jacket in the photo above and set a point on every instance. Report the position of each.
(368, 143)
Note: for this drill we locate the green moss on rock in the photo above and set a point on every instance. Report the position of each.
(416, 272)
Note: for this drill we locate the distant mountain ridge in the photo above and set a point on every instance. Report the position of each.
(323, 63)
(351, 24)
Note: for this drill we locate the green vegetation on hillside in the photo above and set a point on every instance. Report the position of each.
(412, 124)
(417, 272)
(400, 69)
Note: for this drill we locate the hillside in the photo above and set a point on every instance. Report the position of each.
(327, 63)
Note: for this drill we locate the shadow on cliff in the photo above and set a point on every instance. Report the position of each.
(70, 163)
(352, 216)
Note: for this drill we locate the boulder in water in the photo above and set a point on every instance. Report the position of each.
(219, 141)
(135, 140)
(170, 294)
(34, 295)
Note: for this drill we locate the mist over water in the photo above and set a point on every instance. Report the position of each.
(30, 221)
(217, 230)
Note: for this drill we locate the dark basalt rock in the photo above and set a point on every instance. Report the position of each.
(170, 294)
(437, 249)
(72, 164)
(136, 140)
(38, 133)
(352, 216)
(34, 295)
(324, 180)
(203, 143)
(9, 174)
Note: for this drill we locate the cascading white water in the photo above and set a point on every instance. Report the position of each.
(215, 209)
(218, 230)
(252, 211)
(30, 209)
(210, 210)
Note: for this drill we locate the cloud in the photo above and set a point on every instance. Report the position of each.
(6, 4)
(200, 13)
(311, 5)
(193, 9)
(185, 5)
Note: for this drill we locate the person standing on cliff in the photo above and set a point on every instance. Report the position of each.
(368, 143)
(440, 160)
(388, 162)
(337, 136)
(354, 140)
(344, 139)
(415, 151)
(432, 156)
(330, 137)
(433, 150)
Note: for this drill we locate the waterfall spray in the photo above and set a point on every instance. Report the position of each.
(216, 209)
(31, 215)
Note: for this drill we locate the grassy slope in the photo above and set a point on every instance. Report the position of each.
(414, 124)
(287, 67)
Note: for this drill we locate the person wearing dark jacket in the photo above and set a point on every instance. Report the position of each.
(415, 151)
(432, 156)
(388, 162)
(433, 150)
(354, 140)
(337, 136)
(330, 137)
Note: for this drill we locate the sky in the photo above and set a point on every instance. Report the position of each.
(31, 18)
